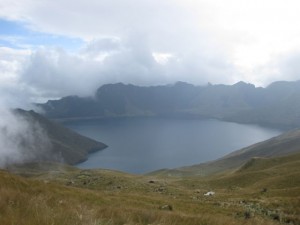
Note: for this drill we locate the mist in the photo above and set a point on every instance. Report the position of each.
(54, 73)
(87, 44)
(21, 140)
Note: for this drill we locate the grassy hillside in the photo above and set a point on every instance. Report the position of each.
(284, 144)
(263, 191)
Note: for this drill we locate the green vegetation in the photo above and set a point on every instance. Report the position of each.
(262, 191)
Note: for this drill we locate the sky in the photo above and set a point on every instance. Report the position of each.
(50, 49)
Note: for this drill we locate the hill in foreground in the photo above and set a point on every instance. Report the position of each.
(262, 191)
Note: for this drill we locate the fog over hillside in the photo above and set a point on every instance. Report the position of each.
(21, 140)
(26, 136)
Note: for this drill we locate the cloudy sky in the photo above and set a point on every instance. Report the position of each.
(50, 49)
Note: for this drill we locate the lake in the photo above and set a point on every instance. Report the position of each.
(140, 145)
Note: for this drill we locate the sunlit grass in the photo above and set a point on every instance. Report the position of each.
(260, 193)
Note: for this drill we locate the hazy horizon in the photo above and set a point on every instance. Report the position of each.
(54, 49)
(50, 49)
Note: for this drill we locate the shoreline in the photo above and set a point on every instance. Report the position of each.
(282, 127)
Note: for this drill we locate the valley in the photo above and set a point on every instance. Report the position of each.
(144, 144)
(130, 112)
(258, 184)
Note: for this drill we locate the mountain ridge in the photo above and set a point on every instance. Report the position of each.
(277, 105)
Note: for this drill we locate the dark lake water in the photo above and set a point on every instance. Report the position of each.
(140, 145)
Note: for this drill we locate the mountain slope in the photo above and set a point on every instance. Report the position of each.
(276, 105)
(64, 143)
(124, 100)
(284, 144)
(275, 172)
(179, 99)
(281, 106)
(263, 191)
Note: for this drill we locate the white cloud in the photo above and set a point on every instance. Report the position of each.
(56, 73)
(153, 42)
(12, 91)
(144, 42)
(287, 67)
(162, 58)
(21, 140)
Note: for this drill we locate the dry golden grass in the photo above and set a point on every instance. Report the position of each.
(261, 193)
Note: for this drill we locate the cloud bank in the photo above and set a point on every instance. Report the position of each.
(21, 140)
(50, 49)
(57, 73)
(145, 42)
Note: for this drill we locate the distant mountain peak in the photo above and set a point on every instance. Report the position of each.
(281, 84)
(182, 83)
(243, 84)
(276, 105)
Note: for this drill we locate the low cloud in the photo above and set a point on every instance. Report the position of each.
(56, 73)
(145, 42)
(21, 140)
(289, 66)
(37, 76)
(283, 67)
